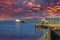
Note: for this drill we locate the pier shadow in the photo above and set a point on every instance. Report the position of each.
(55, 34)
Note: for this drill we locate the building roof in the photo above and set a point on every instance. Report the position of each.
(53, 17)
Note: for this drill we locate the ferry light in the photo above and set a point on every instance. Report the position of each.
(17, 20)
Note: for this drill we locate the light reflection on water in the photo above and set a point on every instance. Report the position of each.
(11, 30)
(17, 26)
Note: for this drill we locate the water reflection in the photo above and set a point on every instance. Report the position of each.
(37, 28)
(17, 27)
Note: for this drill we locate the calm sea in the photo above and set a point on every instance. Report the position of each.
(12, 30)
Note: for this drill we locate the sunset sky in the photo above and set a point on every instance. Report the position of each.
(28, 8)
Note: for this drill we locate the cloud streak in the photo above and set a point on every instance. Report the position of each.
(26, 8)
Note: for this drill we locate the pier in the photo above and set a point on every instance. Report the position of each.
(52, 32)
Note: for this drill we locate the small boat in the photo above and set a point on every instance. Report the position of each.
(17, 20)
(21, 21)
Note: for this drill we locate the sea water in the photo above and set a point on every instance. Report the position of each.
(12, 30)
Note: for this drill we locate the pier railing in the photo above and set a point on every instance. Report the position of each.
(45, 35)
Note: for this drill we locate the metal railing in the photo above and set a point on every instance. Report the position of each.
(45, 35)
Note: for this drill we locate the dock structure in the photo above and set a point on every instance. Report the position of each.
(53, 22)
(54, 32)
(45, 35)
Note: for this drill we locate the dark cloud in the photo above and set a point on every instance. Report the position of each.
(25, 8)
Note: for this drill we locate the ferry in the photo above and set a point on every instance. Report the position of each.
(21, 21)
